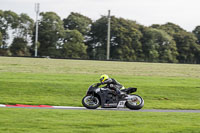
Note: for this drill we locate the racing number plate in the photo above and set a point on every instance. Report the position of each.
(121, 104)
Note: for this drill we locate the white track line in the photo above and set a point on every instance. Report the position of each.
(111, 109)
(2, 105)
(67, 107)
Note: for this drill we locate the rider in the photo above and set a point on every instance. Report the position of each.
(110, 83)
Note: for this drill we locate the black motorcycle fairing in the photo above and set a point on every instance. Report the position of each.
(129, 90)
(108, 99)
(92, 89)
(106, 96)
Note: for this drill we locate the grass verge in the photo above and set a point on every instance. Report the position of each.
(64, 82)
(90, 121)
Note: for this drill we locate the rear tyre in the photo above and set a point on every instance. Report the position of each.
(91, 102)
(135, 103)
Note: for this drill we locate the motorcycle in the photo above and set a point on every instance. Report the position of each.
(107, 98)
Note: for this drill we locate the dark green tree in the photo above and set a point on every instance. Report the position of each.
(73, 46)
(158, 46)
(196, 31)
(50, 36)
(25, 27)
(19, 47)
(8, 21)
(97, 44)
(76, 21)
(20, 26)
(0, 39)
(3, 29)
(187, 47)
(186, 42)
(170, 28)
(125, 36)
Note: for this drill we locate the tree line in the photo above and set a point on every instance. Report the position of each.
(77, 36)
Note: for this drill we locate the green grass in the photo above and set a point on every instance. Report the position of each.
(90, 121)
(113, 68)
(64, 82)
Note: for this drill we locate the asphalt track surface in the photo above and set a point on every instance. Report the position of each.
(108, 109)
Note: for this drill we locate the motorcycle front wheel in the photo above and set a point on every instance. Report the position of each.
(135, 102)
(91, 102)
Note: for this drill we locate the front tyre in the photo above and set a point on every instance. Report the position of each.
(135, 102)
(91, 102)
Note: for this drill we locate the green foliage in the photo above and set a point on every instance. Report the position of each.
(51, 33)
(11, 18)
(82, 24)
(196, 31)
(125, 44)
(186, 43)
(19, 47)
(130, 41)
(97, 44)
(20, 25)
(5, 52)
(0, 39)
(125, 40)
(158, 46)
(8, 19)
(25, 27)
(170, 28)
(3, 30)
(73, 46)
(187, 47)
(76, 21)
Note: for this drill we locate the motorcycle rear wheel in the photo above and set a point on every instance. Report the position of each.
(136, 103)
(91, 102)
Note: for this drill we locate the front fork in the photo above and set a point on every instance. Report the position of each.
(91, 96)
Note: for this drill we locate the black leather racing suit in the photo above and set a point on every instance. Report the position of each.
(112, 84)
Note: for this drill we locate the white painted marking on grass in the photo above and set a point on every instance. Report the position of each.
(111, 109)
(2, 105)
(68, 107)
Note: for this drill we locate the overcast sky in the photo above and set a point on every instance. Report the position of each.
(185, 13)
